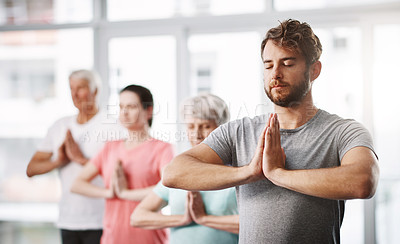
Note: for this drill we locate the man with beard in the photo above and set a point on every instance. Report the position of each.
(292, 174)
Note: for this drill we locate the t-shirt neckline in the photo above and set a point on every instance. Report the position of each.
(304, 125)
(151, 139)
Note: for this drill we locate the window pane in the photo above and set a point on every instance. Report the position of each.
(339, 88)
(119, 10)
(35, 92)
(285, 5)
(34, 77)
(150, 62)
(386, 130)
(19, 12)
(229, 65)
(220, 7)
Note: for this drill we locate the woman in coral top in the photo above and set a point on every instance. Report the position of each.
(130, 169)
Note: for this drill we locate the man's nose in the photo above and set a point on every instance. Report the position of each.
(276, 72)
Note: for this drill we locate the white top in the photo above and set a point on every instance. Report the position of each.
(77, 212)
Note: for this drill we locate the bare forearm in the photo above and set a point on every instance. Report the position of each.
(153, 220)
(42, 167)
(135, 194)
(229, 223)
(189, 173)
(331, 183)
(86, 188)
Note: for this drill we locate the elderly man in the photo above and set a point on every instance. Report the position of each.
(69, 144)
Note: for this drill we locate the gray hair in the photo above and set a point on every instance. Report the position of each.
(90, 76)
(206, 106)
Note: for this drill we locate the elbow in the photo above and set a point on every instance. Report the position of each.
(29, 172)
(135, 220)
(368, 185)
(179, 173)
(365, 192)
(169, 176)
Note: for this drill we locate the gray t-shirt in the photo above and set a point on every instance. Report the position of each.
(273, 214)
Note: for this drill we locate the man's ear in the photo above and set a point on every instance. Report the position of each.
(95, 92)
(315, 70)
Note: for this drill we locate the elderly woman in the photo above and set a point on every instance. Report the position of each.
(196, 217)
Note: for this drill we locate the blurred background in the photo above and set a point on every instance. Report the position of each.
(178, 48)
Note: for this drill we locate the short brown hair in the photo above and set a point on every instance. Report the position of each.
(296, 36)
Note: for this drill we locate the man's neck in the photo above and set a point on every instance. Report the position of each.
(85, 115)
(296, 116)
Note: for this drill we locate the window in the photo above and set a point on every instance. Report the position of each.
(386, 84)
(149, 61)
(228, 65)
(119, 10)
(288, 5)
(21, 12)
(34, 75)
(338, 89)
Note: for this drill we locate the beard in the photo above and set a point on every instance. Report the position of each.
(296, 93)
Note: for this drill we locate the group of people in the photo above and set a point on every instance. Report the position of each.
(122, 163)
(286, 174)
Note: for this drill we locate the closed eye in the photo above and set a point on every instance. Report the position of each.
(290, 61)
(268, 65)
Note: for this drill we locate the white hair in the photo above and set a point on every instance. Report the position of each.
(90, 76)
(206, 106)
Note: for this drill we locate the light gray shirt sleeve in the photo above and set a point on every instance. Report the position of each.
(351, 135)
(220, 141)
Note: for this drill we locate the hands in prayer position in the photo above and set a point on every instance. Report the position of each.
(72, 150)
(269, 156)
(62, 157)
(119, 182)
(194, 209)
